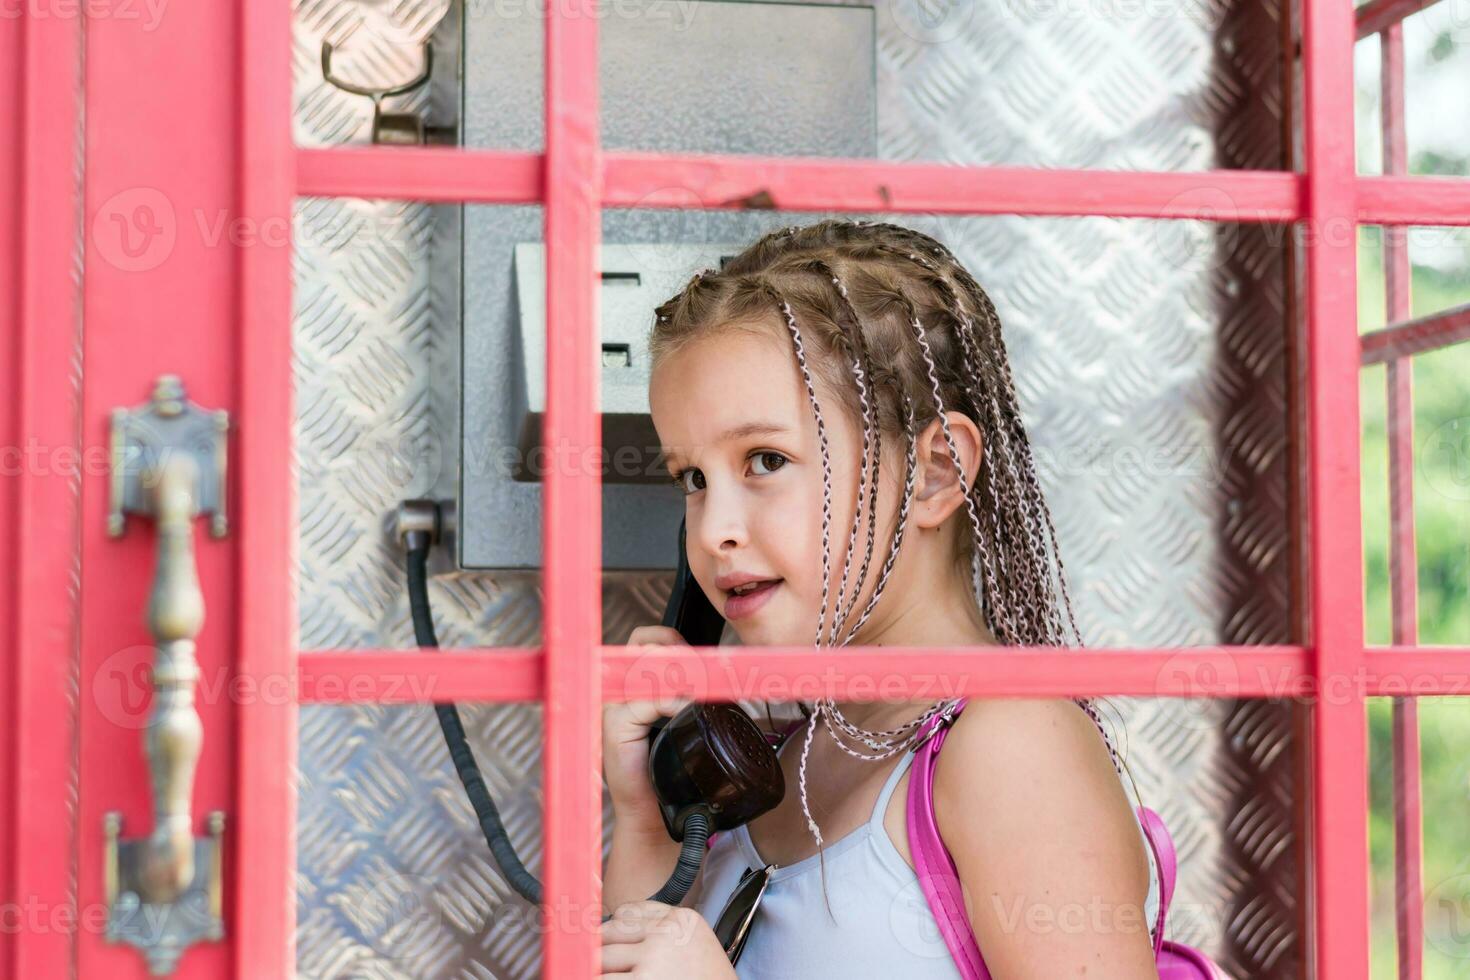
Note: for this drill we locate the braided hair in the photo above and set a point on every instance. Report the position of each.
(899, 333)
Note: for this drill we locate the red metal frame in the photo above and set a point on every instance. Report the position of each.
(41, 519)
(574, 179)
(264, 836)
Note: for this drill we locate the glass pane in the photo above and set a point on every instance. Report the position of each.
(1444, 745)
(1440, 264)
(1436, 60)
(1108, 86)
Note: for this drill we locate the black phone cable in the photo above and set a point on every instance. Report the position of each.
(696, 822)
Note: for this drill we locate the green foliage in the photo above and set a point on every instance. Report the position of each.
(1442, 532)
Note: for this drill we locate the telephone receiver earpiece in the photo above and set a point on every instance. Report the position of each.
(710, 756)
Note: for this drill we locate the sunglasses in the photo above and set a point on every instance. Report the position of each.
(733, 926)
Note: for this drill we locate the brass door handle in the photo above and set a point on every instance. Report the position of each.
(164, 890)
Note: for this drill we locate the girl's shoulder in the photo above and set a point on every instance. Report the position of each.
(1028, 804)
(1033, 742)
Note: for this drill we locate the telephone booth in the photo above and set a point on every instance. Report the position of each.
(277, 269)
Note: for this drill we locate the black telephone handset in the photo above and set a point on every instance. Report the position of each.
(710, 756)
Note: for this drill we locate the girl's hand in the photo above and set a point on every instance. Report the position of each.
(625, 742)
(662, 942)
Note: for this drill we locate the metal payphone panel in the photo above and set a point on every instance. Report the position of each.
(671, 81)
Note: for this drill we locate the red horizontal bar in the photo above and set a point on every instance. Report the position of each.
(514, 674)
(1413, 200)
(434, 173)
(785, 673)
(1417, 336)
(489, 675)
(821, 184)
(830, 184)
(1377, 15)
(804, 184)
(1418, 671)
(892, 673)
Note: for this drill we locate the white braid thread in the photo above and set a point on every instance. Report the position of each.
(886, 744)
(892, 741)
(1030, 503)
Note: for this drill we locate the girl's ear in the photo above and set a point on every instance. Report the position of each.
(937, 492)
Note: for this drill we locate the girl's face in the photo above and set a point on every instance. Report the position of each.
(736, 423)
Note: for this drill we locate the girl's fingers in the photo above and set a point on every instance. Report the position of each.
(656, 636)
(644, 712)
(628, 925)
(620, 958)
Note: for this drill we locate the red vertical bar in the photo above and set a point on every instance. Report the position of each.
(265, 830)
(43, 545)
(11, 250)
(572, 515)
(1402, 563)
(1339, 737)
(160, 297)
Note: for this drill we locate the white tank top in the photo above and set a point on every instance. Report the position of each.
(883, 926)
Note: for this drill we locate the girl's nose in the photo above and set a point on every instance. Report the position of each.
(721, 525)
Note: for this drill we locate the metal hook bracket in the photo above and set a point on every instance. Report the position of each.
(393, 128)
(163, 891)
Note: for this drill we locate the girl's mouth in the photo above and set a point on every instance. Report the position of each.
(739, 605)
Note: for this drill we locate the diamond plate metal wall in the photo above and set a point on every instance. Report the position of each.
(1151, 362)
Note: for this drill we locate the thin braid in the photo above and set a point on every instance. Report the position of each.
(870, 425)
(1007, 425)
(991, 319)
(1034, 575)
(825, 706)
(796, 342)
(1007, 624)
(1033, 581)
(910, 470)
(811, 391)
(1005, 532)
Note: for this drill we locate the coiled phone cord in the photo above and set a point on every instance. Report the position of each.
(696, 823)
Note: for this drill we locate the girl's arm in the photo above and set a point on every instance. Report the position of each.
(1047, 846)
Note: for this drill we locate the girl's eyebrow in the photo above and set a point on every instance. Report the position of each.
(742, 431)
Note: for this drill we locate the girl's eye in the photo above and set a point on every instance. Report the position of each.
(770, 459)
(678, 480)
(768, 455)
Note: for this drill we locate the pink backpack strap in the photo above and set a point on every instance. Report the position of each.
(935, 868)
(939, 878)
(1166, 861)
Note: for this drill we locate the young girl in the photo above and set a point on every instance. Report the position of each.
(853, 375)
